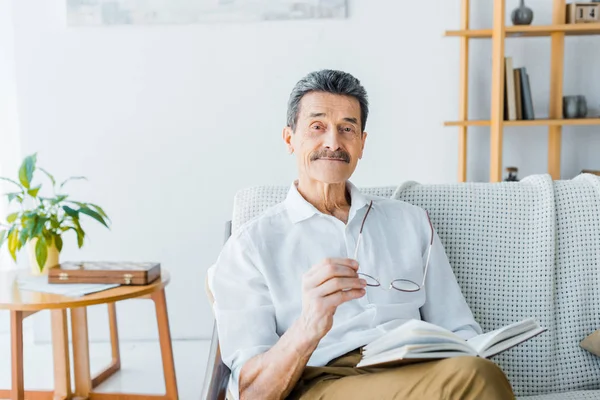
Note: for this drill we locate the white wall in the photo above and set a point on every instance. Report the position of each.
(168, 122)
(9, 125)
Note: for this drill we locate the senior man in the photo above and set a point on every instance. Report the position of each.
(295, 290)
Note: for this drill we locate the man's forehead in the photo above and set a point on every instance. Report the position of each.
(328, 104)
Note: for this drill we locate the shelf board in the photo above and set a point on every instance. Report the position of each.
(535, 122)
(531, 31)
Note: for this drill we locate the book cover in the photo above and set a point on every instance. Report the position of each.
(528, 113)
(510, 89)
(518, 94)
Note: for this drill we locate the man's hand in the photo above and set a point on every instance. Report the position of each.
(324, 287)
(273, 374)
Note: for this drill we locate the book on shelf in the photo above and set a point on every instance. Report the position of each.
(417, 341)
(518, 101)
(518, 94)
(509, 82)
(527, 99)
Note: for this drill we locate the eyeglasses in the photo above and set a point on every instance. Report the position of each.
(403, 285)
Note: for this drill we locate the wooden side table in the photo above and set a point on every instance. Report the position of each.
(22, 303)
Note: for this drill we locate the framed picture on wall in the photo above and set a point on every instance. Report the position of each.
(149, 12)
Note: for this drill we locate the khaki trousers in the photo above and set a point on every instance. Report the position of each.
(451, 378)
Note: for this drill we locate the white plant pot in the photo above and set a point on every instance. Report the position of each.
(51, 261)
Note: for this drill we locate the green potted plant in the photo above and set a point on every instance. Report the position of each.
(40, 222)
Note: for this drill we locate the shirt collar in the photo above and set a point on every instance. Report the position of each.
(299, 209)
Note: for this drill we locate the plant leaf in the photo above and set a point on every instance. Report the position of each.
(24, 235)
(33, 192)
(71, 212)
(80, 237)
(58, 242)
(41, 252)
(15, 195)
(11, 181)
(12, 217)
(73, 178)
(59, 199)
(2, 237)
(80, 232)
(26, 170)
(39, 226)
(99, 210)
(93, 214)
(13, 242)
(49, 175)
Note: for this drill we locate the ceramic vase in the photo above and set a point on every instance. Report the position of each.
(582, 108)
(570, 107)
(522, 15)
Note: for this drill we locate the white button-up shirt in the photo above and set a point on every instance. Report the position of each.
(257, 278)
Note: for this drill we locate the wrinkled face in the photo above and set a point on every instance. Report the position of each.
(328, 141)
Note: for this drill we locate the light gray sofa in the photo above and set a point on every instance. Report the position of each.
(524, 249)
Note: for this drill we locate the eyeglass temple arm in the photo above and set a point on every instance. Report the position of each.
(361, 229)
(429, 251)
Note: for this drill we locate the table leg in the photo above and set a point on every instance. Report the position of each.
(115, 363)
(16, 337)
(60, 350)
(81, 353)
(166, 349)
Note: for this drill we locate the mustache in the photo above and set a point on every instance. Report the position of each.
(340, 154)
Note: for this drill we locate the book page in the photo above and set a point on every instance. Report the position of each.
(418, 352)
(511, 342)
(411, 333)
(482, 342)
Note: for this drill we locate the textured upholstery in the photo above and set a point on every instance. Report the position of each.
(578, 395)
(526, 249)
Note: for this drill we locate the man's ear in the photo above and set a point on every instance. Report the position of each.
(287, 138)
(362, 149)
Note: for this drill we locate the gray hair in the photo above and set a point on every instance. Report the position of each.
(328, 81)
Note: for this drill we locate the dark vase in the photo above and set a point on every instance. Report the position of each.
(522, 15)
(582, 108)
(570, 107)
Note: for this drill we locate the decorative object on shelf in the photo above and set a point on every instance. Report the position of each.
(582, 108)
(575, 107)
(40, 222)
(570, 107)
(582, 13)
(522, 15)
(511, 174)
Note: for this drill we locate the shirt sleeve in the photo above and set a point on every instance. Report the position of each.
(243, 309)
(445, 304)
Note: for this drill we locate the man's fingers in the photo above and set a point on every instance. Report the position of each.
(338, 298)
(338, 284)
(330, 270)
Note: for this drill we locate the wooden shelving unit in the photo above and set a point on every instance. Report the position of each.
(498, 34)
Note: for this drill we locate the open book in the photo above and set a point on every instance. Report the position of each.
(419, 340)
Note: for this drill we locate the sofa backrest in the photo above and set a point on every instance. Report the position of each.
(577, 279)
(501, 240)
